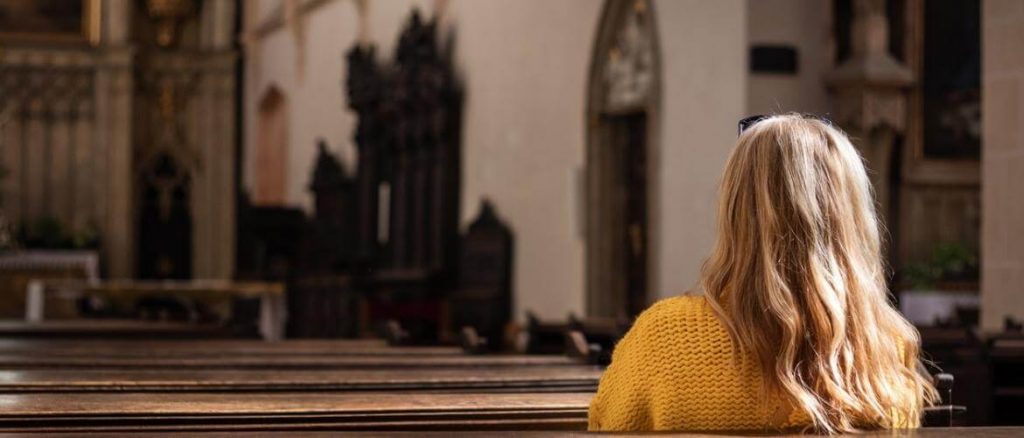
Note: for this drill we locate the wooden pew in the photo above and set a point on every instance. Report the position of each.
(108, 329)
(950, 432)
(201, 348)
(599, 334)
(961, 352)
(365, 361)
(291, 411)
(518, 379)
(1006, 360)
(140, 412)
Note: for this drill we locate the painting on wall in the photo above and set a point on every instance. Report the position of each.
(951, 81)
(49, 21)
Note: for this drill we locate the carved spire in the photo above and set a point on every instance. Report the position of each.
(870, 84)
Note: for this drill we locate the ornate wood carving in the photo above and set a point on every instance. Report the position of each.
(407, 182)
(483, 298)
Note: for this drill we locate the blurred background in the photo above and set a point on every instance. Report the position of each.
(315, 168)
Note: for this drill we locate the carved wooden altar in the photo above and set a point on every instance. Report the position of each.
(407, 185)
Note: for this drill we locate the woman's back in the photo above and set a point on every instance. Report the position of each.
(797, 283)
(675, 370)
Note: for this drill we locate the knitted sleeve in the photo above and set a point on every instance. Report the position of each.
(623, 401)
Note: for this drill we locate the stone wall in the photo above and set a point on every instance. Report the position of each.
(1002, 277)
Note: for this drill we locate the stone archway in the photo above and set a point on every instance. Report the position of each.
(621, 160)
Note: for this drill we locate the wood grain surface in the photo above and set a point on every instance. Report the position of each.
(197, 348)
(363, 361)
(132, 412)
(536, 379)
(953, 432)
(103, 328)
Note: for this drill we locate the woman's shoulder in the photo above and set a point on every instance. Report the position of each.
(680, 306)
(675, 330)
(672, 314)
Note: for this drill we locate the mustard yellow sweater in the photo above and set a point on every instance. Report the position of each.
(675, 370)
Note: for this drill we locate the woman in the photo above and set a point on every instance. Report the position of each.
(794, 329)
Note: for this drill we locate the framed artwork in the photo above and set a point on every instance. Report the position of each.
(50, 21)
(944, 43)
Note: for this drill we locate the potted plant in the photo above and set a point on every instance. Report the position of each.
(942, 289)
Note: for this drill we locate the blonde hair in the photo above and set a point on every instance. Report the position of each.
(797, 277)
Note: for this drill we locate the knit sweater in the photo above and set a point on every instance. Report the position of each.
(675, 370)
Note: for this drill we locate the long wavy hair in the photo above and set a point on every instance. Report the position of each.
(798, 279)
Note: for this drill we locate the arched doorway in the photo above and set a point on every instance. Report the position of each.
(622, 117)
(165, 220)
(271, 161)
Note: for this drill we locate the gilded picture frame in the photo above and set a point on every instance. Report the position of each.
(50, 21)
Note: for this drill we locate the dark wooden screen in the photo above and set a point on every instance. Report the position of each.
(408, 136)
(483, 298)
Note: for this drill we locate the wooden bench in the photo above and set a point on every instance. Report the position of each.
(107, 329)
(951, 432)
(256, 386)
(985, 432)
(181, 412)
(311, 361)
(292, 411)
(1006, 360)
(592, 339)
(518, 379)
(202, 348)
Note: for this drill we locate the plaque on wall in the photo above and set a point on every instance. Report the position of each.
(49, 21)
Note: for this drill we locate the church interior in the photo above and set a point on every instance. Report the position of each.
(440, 216)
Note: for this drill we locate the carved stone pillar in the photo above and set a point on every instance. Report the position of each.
(870, 92)
(114, 88)
(214, 240)
(214, 248)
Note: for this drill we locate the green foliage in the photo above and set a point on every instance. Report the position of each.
(49, 233)
(950, 261)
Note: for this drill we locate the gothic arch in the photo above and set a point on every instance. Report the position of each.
(623, 101)
(270, 162)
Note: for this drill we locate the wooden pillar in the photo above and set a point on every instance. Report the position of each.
(365, 93)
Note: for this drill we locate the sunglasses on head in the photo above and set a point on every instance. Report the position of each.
(747, 122)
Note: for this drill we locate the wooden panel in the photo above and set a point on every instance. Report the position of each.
(200, 348)
(11, 361)
(931, 215)
(953, 432)
(102, 328)
(291, 411)
(536, 379)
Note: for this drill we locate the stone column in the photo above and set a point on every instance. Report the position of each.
(114, 87)
(214, 191)
(870, 91)
(1002, 163)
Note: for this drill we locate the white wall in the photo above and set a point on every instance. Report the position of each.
(703, 47)
(803, 24)
(314, 91)
(525, 64)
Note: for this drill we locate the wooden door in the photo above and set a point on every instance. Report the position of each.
(629, 139)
